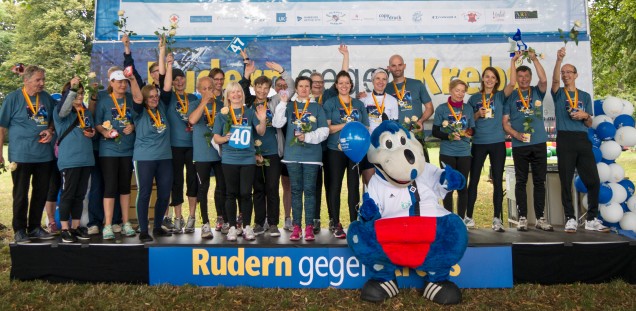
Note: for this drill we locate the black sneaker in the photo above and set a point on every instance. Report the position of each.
(332, 225)
(338, 232)
(316, 226)
(68, 237)
(159, 232)
(21, 237)
(145, 237)
(39, 233)
(80, 233)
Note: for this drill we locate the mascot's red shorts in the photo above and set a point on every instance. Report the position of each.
(406, 240)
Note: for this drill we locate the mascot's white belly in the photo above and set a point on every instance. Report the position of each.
(395, 201)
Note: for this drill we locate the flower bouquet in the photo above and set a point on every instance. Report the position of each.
(112, 132)
(533, 112)
(260, 160)
(303, 125)
(11, 167)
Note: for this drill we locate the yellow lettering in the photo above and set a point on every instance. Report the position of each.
(199, 262)
(236, 264)
(447, 75)
(266, 262)
(455, 270)
(190, 83)
(424, 72)
(216, 269)
(215, 63)
(470, 75)
(251, 264)
(279, 266)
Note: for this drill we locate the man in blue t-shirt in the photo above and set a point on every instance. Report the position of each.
(27, 113)
(573, 112)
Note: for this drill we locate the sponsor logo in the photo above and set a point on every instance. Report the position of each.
(308, 18)
(417, 16)
(443, 17)
(254, 19)
(281, 17)
(389, 18)
(335, 17)
(174, 18)
(526, 14)
(472, 16)
(498, 15)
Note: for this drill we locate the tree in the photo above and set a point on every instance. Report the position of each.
(48, 33)
(613, 32)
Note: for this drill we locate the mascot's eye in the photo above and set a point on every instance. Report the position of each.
(403, 140)
(389, 144)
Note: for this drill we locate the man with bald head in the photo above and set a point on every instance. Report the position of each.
(413, 99)
(573, 112)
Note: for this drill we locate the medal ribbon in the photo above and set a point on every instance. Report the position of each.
(457, 117)
(234, 121)
(157, 118)
(298, 116)
(342, 103)
(320, 99)
(121, 110)
(486, 103)
(523, 100)
(379, 107)
(80, 117)
(30, 104)
(207, 113)
(184, 107)
(397, 93)
(574, 104)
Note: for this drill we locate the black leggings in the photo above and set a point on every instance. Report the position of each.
(462, 164)
(239, 180)
(203, 175)
(497, 154)
(55, 183)
(74, 187)
(182, 156)
(266, 195)
(338, 163)
(117, 172)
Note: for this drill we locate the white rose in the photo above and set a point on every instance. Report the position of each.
(107, 126)
(173, 25)
(121, 12)
(537, 103)
(13, 166)
(541, 56)
(445, 123)
(258, 143)
(312, 119)
(414, 118)
(77, 58)
(578, 24)
(172, 33)
(92, 75)
(225, 110)
(407, 120)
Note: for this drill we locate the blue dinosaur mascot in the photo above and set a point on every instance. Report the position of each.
(401, 223)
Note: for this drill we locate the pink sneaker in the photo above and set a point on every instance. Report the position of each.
(53, 228)
(295, 236)
(309, 233)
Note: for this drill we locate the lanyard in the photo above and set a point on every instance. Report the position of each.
(234, 121)
(457, 117)
(207, 113)
(157, 118)
(184, 107)
(484, 102)
(343, 104)
(30, 104)
(121, 110)
(80, 117)
(380, 107)
(397, 93)
(298, 116)
(523, 100)
(574, 104)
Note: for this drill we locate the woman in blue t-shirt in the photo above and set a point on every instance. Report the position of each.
(234, 131)
(489, 139)
(454, 125)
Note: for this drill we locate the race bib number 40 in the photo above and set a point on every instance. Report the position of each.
(241, 136)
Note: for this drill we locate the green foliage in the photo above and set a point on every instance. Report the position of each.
(48, 33)
(613, 32)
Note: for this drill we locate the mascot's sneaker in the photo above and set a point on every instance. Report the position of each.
(445, 293)
(376, 291)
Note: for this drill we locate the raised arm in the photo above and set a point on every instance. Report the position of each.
(513, 75)
(344, 50)
(556, 75)
(167, 84)
(66, 107)
(162, 55)
(129, 61)
(543, 80)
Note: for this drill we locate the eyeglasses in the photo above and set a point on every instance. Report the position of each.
(218, 79)
(154, 71)
(569, 72)
(153, 96)
(319, 82)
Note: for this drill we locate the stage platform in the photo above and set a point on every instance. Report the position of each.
(534, 256)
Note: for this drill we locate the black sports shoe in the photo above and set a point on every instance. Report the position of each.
(159, 232)
(80, 233)
(39, 233)
(21, 237)
(68, 237)
(445, 293)
(377, 291)
(145, 237)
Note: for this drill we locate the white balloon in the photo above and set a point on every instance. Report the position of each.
(584, 203)
(600, 119)
(631, 203)
(618, 195)
(603, 171)
(626, 136)
(612, 106)
(628, 222)
(610, 150)
(617, 173)
(628, 108)
(612, 212)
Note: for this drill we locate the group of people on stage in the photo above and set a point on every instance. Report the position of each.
(252, 144)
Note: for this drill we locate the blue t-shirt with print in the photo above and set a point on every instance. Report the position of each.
(106, 111)
(562, 110)
(489, 130)
(152, 141)
(455, 148)
(75, 150)
(303, 152)
(337, 115)
(518, 114)
(202, 150)
(229, 154)
(269, 143)
(415, 95)
(180, 131)
(25, 126)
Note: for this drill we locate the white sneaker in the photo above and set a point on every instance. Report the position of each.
(239, 229)
(543, 225)
(93, 230)
(206, 232)
(225, 228)
(231, 234)
(523, 224)
(570, 225)
(288, 224)
(596, 225)
(469, 222)
(497, 226)
(116, 228)
(248, 233)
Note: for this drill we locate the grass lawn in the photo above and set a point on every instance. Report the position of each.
(39, 295)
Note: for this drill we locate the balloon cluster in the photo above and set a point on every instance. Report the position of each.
(612, 130)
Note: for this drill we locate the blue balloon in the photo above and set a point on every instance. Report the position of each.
(598, 155)
(598, 107)
(355, 141)
(605, 194)
(56, 96)
(623, 120)
(629, 187)
(606, 131)
(579, 185)
(593, 138)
